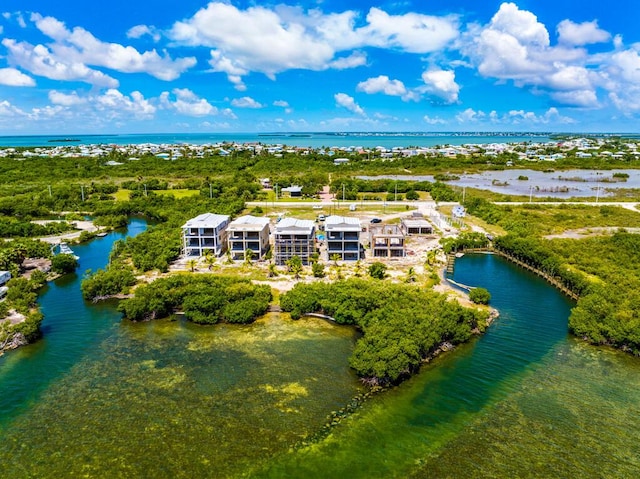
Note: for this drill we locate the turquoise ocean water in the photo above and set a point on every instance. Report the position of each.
(314, 140)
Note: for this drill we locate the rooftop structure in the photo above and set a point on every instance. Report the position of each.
(293, 190)
(204, 233)
(248, 233)
(416, 226)
(293, 237)
(343, 238)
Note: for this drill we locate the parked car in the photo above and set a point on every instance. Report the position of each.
(321, 217)
(376, 220)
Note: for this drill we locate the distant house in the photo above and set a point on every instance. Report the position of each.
(387, 241)
(458, 211)
(343, 237)
(340, 161)
(416, 226)
(248, 232)
(265, 182)
(294, 191)
(206, 232)
(293, 237)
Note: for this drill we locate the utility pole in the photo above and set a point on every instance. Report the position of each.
(82, 192)
(210, 191)
(145, 189)
(343, 192)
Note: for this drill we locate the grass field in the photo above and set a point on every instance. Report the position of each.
(123, 195)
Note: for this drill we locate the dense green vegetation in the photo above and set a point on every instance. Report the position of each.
(401, 324)
(204, 299)
(464, 241)
(603, 270)
(537, 219)
(64, 263)
(21, 299)
(609, 310)
(480, 296)
(107, 282)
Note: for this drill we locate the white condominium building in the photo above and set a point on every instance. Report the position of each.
(293, 237)
(343, 238)
(248, 233)
(206, 232)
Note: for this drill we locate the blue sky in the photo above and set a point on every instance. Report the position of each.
(235, 66)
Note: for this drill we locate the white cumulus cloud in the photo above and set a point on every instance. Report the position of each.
(139, 31)
(70, 53)
(13, 77)
(584, 33)
(441, 84)
(271, 40)
(187, 103)
(382, 84)
(348, 102)
(245, 102)
(65, 99)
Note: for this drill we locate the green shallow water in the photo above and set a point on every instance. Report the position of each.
(171, 399)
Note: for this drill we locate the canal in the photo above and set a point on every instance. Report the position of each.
(102, 397)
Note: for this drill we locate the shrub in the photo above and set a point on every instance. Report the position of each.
(64, 263)
(480, 296)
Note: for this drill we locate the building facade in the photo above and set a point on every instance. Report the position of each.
(248, 233)
(387, 241)
(416, 226)
(293, 237)
(205, 233)
(343, 238)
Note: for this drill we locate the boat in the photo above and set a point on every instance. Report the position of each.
(65, 249)
(101, 235)
(459, 255)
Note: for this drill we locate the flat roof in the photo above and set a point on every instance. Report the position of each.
(248, 222)
(342, 222)
(294, 225)
(416, 222)
(206, 220)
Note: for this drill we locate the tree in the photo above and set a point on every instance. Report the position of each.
(191, 264)
(412, 195)
(64, 263)
(294, 264)
(248, 255)
(210, 260)
(317, 269)
(431, 257)
(480, 296)
(411, 275)
(378, 270)
(273, 272)
(357, 269)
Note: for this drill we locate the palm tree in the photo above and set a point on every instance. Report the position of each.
(295, 266)
(192, 264)
(357, 269)
(411, 275)
(431, 257)
(210, 260)
(272, 270)
(248, 255)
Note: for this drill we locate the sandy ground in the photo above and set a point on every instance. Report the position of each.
(80, 225)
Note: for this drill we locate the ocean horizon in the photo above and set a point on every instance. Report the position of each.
(297, 139)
